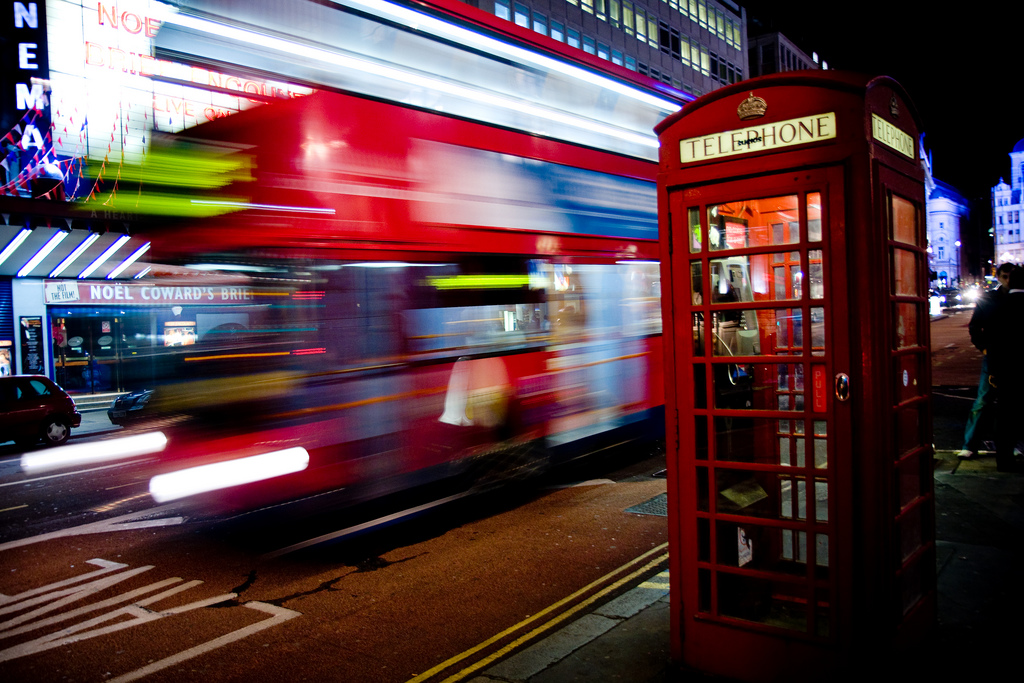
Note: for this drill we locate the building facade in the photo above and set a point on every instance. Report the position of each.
(773, 53)
(1006, 210)
(947, 214)
(695, 46)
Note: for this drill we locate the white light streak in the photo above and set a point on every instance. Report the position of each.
(222, 475)
(268, 207)
(108, 252)
(92, 453)
(86, 243)
(42, 253)
(14, 244)
(128, 261)
(428, 24)
(309, 52)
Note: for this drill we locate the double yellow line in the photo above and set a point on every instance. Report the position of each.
(546, 625)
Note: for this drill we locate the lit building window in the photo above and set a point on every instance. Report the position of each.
(603, 51)
(631, 63)
(587, 6)
(502, 10)
(588, 45)
(522, 15)
(617, 57)
(540, 23)
(574, 37)
(627, 17)
(557, 31)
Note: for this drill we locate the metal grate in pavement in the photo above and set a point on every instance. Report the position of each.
(655, 506)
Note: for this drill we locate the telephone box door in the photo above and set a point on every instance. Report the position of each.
(769, 434)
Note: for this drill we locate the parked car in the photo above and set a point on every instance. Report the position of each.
(32, 407)
(128, 408)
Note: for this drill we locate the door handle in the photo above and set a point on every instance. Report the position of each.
(843, 386)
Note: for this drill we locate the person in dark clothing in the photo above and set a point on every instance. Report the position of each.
(1006, 367)
(980, 329)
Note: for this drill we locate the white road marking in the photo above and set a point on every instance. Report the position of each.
(278, 615)
(122, 523)
(61, 593)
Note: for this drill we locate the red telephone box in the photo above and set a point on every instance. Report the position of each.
(794, 275)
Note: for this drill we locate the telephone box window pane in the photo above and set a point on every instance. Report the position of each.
(755, 277)
(764, 495)
(904, 272)
(696, 284)
(820, 501)
(700, 437)
(700, 386)
(904, 221)
(817, 331)
(907, 316)
(761, 441)
(704, 588)
(768, 332)
(908, 380)
(703, 492)
(698, 335)
(759, 386)
(820, 444)
(822, 615)
(909, 478)
(817, 273)
(695, 232)
(908, 430)
(773, 603)
(753, 223)
(814, 217)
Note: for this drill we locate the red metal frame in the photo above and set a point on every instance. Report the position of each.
(878, 490)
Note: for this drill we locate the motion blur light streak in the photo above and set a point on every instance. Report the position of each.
(424, 22)
(265, 207)
(402, 76)
(237, 355)
(91, 453)
(222, 475)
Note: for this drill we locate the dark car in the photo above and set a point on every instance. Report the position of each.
(32, 407)
(128, 408)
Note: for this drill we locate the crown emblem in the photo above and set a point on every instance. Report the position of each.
(751, 108)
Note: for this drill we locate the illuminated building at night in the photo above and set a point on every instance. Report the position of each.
(692, 45)
(948, 212)
(1006, 210)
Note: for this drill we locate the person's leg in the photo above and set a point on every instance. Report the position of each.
(982, 401)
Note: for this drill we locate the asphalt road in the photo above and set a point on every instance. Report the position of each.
(99, 584)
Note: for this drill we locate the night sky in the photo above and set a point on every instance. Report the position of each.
(955, 60)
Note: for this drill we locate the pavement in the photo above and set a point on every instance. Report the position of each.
(978, 633)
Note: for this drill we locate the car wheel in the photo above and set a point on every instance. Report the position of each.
(55, 431)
